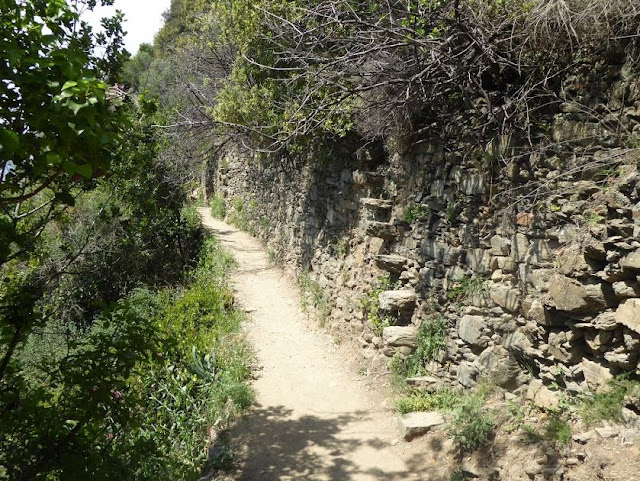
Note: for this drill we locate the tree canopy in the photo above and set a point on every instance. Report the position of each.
(117, 333)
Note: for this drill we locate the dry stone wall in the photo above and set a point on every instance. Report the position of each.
(531, 254)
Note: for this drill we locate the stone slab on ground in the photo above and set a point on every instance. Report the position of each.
(419, 424)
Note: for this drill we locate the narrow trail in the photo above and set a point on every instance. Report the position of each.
(314, 420)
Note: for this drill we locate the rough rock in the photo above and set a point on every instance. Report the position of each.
(539, 251)
(572, 296)
(472, 468)
(606, 321)
(473, 185)
(420, 423)
(540, 279)
(397, 336)
(628, 314)
(428, 383)
(519, 247)
(506, 297)
(501, 368)
(599, 341)
(384, 230)
(567, 233)
(572, 261)
(626, 289)
(479, 260)
(516, 341)
(500, 246)
(401, 301)
(621, 358)
(384, 204)
(376, 244)
(506, 264)
(470, 330)
(391, 263)
(467, 374)
(585, 437)
(577, 132)
(534, 310)
(631, 261)
(607, 432)
(440, 252)
(542, 396)
(596, 376)
(525, 219)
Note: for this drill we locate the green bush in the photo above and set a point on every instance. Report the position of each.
(555, 429)
(531, 434)
(470, 424)
(134, 394)
(458, 475)
(607, 405)
(440, 400)
(218, 207)
(242, 213)
(558, 430)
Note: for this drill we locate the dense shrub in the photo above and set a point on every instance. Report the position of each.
(470, 425)
(135, 394)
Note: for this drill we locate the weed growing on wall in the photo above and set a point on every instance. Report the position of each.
(313, 296)
(218, 207)
(558, 429)
(467, 288)
(469, 422)
(458, 475)
(431, 341)
(555, 429)
(370, 306)
(415, 213)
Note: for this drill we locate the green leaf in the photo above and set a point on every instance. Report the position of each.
(73, 126)
(85, 170)
(68, 84)
(76, 107)
(9, 141)
(53, 158)
(65, 95)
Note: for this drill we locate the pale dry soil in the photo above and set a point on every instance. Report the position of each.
(316, 418)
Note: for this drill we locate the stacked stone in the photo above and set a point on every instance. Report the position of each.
(552, 233)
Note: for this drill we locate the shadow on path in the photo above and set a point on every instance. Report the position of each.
(280, 446)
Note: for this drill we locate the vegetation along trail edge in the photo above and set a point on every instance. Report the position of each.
(313, 419)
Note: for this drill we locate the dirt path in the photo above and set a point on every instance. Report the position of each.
(314, 420)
